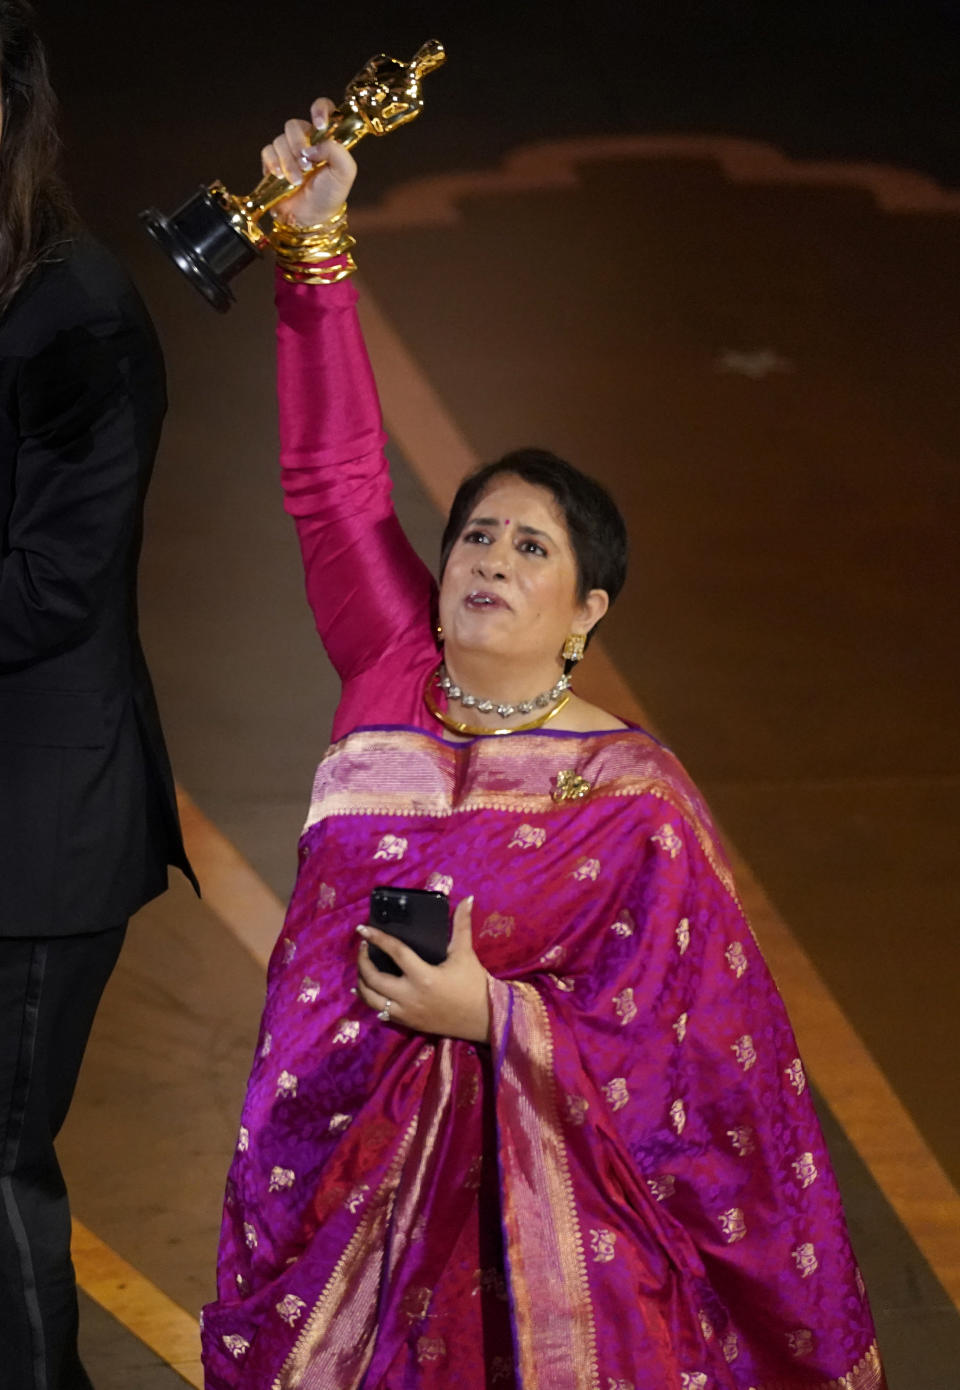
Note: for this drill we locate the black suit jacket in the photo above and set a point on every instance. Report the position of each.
(88, 820)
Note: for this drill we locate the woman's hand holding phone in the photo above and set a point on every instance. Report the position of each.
(448, 999)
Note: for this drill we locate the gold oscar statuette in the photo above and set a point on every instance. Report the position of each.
(215, 233)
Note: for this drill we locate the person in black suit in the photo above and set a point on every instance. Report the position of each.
(88, 819)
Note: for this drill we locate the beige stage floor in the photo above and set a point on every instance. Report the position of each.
(761, 361)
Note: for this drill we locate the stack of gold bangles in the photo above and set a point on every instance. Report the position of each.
(317, 255)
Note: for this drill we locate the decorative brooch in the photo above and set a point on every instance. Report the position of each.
(570, 787)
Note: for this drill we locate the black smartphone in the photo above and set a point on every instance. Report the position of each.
(418, 918)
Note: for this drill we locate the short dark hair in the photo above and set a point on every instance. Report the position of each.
(36, 214)
(597, 530)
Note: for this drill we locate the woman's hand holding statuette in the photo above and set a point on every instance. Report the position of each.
(291, 154)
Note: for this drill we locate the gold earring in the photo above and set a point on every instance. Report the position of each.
(439, 634)
(573, 647)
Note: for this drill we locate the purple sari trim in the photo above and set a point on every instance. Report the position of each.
(630, 1189)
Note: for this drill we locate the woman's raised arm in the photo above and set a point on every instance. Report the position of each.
(365, 583)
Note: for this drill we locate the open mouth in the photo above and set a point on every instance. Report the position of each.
(480, 600)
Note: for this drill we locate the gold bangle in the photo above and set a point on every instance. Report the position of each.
(298, 245)
(327, 272)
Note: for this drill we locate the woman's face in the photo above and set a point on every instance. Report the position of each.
(510, 585)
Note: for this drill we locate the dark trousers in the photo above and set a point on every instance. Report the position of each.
(49, 992)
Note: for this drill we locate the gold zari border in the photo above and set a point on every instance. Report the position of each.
(867, 1374)
(547, 1175)
(435, 802)
(366, 1245)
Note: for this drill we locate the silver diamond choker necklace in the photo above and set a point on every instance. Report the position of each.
(454, 692)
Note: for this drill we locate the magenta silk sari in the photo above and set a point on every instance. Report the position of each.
(628, 1190)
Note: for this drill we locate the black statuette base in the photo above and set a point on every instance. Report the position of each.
(201, 240)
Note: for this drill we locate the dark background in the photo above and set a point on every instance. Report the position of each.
(158, 97)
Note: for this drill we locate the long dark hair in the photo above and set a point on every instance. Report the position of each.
(36, 214)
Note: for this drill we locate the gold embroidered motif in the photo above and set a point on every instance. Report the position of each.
(616, 1092)
(736, 958)
(624, 925)
(236, 1345)
(497, 925)
(243, 1140)
(678, 1116)
(415, 1303)
(588, 870)
(528, 837)
(668, 840)
(267, 1047)
(309, 991)
(625, 1007)
(326, 897)
(730, 1346)
(440, 883)
(706, 1326)
(680, 1028)
(861, 1286)
(287, 1084)
(281, 1178)
(338, 1123)
(800, 1342)
(742, 1140)
(796, 1076)
(602, 1244)
(554, 956)
(619, 1384)
(289, 950)
(566, 983)
(348, 1030)
(806, 1258)
(732, 1224)
(391, 847)
(290, 1308)
(576, 1109)
(425, 1053)
(570, 787)
(693, 1380)
(355, 1201)
(805, 1169)
(250, 1236)
(683, 935)
(745, 1051)
(430, 1349)
(663, 1187)
(241, 1284)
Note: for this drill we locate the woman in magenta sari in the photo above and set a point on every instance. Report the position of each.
(581, 1153)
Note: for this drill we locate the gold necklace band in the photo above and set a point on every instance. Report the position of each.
(474, 731)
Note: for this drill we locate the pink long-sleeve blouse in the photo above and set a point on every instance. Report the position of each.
(373, 599)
